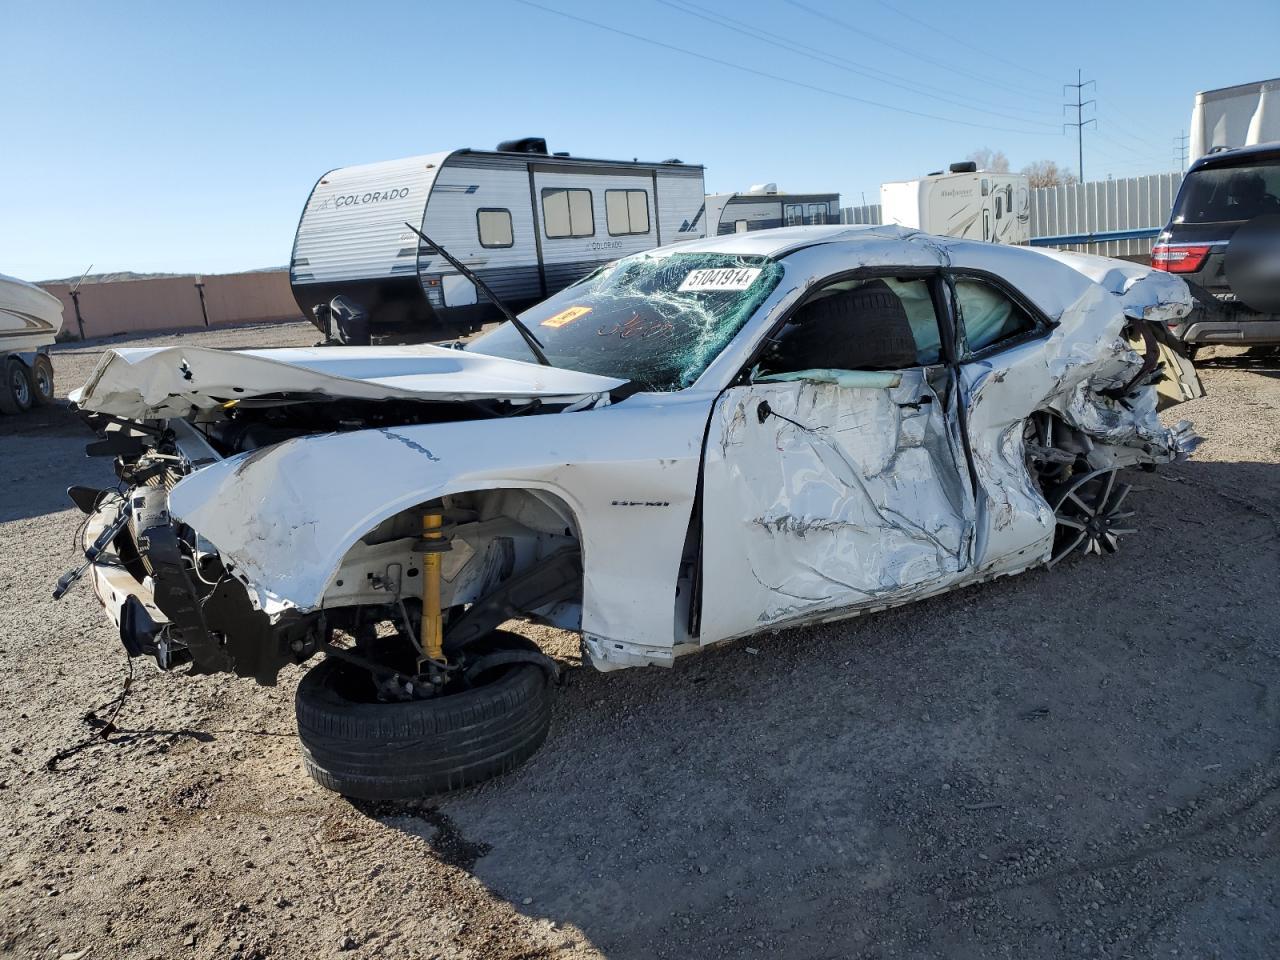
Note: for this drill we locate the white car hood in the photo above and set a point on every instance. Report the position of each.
(170, 381)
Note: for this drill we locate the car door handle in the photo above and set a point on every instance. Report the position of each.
(917, 404)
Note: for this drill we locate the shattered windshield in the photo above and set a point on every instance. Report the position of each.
(657, 320)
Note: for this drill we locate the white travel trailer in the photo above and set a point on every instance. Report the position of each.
(763, 207)
(528, 223)
(965, 202)
(1238, 116)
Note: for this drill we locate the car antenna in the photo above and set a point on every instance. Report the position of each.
(534, 345)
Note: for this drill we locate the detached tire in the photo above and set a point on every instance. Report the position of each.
(399, 751)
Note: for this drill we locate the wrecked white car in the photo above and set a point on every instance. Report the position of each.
(729, 436)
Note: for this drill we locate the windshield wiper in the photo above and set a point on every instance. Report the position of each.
(535, 346)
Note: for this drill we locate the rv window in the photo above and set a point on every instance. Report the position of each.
(881, 323)
(988, 315)
(1008, 198)
(999, 206)
(567, 213)
(494, 228)
(986, 187)
(626, 212)
(817, 213)
(793, 214)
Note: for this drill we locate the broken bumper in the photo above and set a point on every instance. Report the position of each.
(149, 589)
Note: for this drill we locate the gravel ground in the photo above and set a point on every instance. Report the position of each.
(1081, 762)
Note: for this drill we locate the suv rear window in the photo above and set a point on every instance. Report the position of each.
(1222, 194)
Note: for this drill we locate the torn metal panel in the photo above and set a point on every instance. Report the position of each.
(172, 381)
(828, 497)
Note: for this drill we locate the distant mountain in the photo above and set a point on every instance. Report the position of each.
(132, 275)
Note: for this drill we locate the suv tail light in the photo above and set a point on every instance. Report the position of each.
(1181, 258)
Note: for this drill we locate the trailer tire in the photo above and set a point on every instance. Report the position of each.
(16, 392)
(399, 751)
(42, 380)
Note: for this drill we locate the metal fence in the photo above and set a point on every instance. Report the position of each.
(1114, 218)
(868, 213)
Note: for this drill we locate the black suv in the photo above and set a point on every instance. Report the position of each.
(1223, 238)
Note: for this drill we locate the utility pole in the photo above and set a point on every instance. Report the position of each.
(1180, 149)
(1080, 121)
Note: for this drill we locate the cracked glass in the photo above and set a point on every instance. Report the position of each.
(655, 320)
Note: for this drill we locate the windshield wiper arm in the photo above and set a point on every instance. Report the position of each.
(535, 346)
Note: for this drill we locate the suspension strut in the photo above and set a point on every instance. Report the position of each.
(433, 546)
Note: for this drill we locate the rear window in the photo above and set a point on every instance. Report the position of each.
(1229, 194)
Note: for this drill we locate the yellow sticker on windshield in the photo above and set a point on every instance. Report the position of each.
(566, 316)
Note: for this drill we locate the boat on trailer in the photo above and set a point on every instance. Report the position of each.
(30, 319)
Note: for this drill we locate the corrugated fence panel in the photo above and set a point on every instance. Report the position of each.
(1104, 206)
(867, 213)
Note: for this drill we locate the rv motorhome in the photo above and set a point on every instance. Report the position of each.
(965, 202)
(763, 207)
(528, 223)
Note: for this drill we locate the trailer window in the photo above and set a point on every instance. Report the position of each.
(567, 213)
(986, 187)
(793, 214)
(494, 227)
(626, 212)
(817, 213)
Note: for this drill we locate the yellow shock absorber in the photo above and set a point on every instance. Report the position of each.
(432, 623)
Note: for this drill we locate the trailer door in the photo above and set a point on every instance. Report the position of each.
(588, 218)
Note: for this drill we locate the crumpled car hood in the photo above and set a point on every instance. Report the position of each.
(169, 381)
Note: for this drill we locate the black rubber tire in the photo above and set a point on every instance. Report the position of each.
(399, 751)
(16, 391)
(42, 388)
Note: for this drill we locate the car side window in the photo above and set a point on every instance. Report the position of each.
(868, 323)
(988, 315)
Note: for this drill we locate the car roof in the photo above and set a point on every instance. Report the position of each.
(782, 240)
(1238, 155)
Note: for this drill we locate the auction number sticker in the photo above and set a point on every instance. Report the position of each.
(566, 316)
(719, 278)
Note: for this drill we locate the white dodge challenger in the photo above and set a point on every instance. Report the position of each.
(690, 445)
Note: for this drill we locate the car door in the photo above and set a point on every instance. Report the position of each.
(834, 472)
(1003, 381)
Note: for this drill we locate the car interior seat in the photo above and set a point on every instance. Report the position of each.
(865, 328)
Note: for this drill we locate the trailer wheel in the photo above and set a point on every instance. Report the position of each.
(42, 379)
(359, 747)
(15, 391)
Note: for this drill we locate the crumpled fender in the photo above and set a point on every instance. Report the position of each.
(285, 516)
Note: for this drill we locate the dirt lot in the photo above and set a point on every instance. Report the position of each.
(1081, 762)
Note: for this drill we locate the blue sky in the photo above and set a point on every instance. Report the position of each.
(186, 136)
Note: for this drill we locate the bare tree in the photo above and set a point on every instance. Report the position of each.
(993, 161)
(1046, 173)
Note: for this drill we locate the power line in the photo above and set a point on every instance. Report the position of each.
(844, 25)
(807, 50)
(1080, 122)
(771, 76)
(976, 49)
(1180, 148)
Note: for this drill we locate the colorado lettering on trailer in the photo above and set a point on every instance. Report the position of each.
(373, 196)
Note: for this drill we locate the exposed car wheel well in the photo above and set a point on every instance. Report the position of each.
(501, 554)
